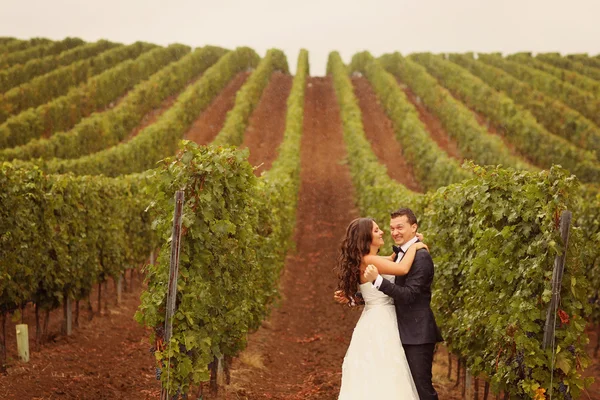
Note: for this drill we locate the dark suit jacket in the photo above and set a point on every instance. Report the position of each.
(412, 298)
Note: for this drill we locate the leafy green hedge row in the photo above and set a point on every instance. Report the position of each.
(588, 218)
(20, 45)
(42, 50)
(587, 212)
(473, 140)
(584, 102)
(218, 265)
(432, 166)
(19, 74)
(160, 139)
(98, 92)
(60, 234)
(563, 62)
(576, 79)
(102, 130)
(79, 206)
(585, 59)
(57, 83)
(248, 96)
(98, 225)
(5, 40)
(496, 237)
(279, 192)
(237, 229)
(553, 114)
(519, 125)
(373, 185)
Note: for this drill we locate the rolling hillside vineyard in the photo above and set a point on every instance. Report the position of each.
(498, 155)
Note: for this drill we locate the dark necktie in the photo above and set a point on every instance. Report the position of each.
(397, 249)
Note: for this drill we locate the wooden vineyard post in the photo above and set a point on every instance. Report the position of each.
(557, 275)
(68, 315)
(172, 286)
(220, 371)
(38, 334)
(468, 388)
(119, 288)
(214, 370)
(597, 341)
(458, 364)
(124, 279)
(45, 328)
(23, 342)
(100, 299)
(3, 345)
(77, 314)
(130, 286)
(90, 309)
(227, 368)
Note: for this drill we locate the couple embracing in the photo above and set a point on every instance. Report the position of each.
(391, 352)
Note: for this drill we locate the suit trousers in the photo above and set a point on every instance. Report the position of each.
(420, 361)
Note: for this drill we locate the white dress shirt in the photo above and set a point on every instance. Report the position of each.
(404, 247)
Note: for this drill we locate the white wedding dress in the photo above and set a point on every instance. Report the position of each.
(375, 366)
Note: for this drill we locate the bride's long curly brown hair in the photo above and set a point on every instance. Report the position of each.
(355, 245)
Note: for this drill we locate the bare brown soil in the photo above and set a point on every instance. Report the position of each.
(447, 388)
(267, 123)
(594, 368)
(105, 358)
(212, 119)
(303, 343)
(433, 124)
(483, 121)
(155, 114)
(380, 132)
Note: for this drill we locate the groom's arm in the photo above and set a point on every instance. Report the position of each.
(418, 278)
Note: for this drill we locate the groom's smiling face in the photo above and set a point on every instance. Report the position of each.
(401, 229)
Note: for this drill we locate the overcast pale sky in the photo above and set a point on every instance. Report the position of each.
(320, 26)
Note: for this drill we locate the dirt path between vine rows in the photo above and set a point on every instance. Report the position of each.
(488, 125)
(267, 123)
(380, 132)
(433, 124)
(302, 344)
(153, 115)
(298, 352)
(211, 121)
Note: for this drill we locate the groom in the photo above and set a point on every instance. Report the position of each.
(412, 297)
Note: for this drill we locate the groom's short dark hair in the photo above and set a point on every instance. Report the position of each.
(407, 212)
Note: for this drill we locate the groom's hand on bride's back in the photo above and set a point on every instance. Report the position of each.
(340, 298)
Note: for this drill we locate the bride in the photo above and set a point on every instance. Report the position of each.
(375, 366)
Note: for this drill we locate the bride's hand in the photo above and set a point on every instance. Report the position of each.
(371, 273)
(420, 236)
(421, 245)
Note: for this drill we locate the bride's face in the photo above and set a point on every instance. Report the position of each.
(377, 236)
